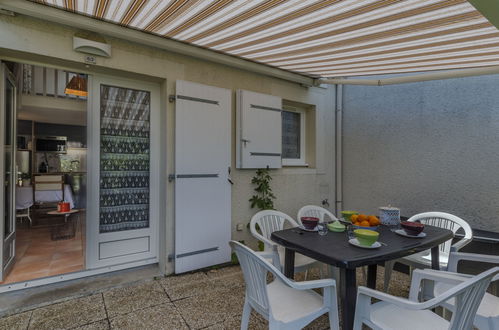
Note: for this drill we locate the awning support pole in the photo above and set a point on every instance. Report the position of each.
(414, 78)
(339, 150)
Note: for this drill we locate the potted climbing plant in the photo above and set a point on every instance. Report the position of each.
(264, 197)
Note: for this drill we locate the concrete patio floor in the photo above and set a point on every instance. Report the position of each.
(201, 300)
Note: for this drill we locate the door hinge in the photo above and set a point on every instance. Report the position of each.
(171, 177)
(172, 98)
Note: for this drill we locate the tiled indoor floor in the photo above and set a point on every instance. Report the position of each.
(37, 255)
(203, 300)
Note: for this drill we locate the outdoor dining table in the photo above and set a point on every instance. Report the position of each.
(333, 249)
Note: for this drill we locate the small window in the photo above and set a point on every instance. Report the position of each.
(293, 137)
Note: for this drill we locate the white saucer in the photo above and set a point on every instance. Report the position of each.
(402, 232)
(355, 242)
(303, 228)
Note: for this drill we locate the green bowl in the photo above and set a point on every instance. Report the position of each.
(347, 214)
(336, 227)
(366, 237)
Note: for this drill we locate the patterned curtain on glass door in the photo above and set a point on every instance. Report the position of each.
(124, 159)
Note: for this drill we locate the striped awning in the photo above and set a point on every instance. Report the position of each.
(327, 38)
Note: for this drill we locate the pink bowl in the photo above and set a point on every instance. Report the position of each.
(309, 222)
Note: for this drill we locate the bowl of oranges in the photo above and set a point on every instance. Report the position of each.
(364, 221)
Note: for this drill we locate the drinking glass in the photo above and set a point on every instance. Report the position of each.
(322, 229)
(349, 232)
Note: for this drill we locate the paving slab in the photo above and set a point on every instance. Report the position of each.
(209, 309)
(185, 286)
(130, 298)
(99, 325)
(224, 272)
(28, 299)
(15, 322)
(234, 322)
(158, 317)
(69, 314)
(201, 284)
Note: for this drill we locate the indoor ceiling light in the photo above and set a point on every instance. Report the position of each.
(77, 86)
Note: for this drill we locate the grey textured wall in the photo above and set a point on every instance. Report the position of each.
(429, 146)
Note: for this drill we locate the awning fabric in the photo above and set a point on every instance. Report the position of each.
(328, 38)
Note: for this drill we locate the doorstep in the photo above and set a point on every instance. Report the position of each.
(22, 300)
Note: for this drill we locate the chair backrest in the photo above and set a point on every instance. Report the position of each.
(468, 296)
(444, 220)
(269, 221)
(48, 183)
(316, 212)
(255, 270)
(456, 257)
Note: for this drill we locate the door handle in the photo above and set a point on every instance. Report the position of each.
(229, 178)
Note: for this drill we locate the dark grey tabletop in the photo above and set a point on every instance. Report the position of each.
(335, 250)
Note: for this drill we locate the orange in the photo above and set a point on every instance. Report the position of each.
(354, 217)
(373, 220)
(362, 217)
(365, 224)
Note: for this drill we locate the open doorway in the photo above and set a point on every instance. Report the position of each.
(49, 176)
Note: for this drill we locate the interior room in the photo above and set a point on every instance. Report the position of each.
(51, 151)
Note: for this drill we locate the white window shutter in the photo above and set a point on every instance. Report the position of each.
(259, 138)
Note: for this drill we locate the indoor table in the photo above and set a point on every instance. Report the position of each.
(333, 249)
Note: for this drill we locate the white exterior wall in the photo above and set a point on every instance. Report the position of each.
(46, 43)
(428, 146)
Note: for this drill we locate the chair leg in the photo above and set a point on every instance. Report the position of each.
(388, 274)
(334, 273)
(333, 321)
(246, 316)
(357, 323)
(30, 221)
(364, 274)
(306, 274)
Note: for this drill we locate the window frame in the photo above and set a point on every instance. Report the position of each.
(303, 116)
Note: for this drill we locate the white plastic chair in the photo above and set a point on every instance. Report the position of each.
(320, 213)
(269, 221)
(400, 313)
(315, 211)
(284, 303)
(487, 316)
(423, 259)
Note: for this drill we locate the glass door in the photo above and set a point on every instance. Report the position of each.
(7, 170)
(123, 196)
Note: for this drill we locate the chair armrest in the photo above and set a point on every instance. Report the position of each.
(446, 273)
(315, 284)
(456, 257)
(460, 244)
(365, 292)
(265, 241)
(420, 275)
(305, 285)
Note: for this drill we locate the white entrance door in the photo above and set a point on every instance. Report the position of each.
(202, 179)
(124, 184)
(7, 171)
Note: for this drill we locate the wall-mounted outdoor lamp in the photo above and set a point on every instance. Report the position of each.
(91, 44)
